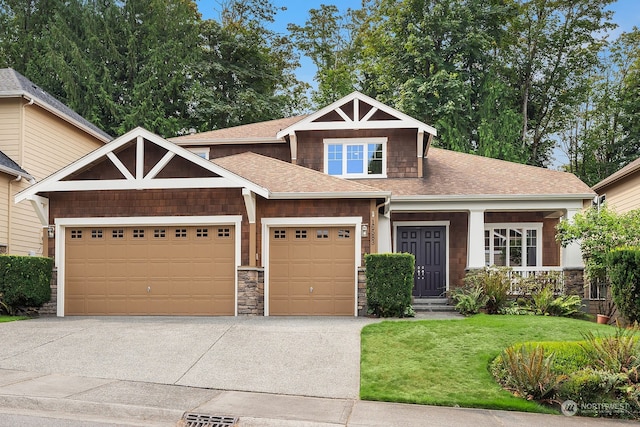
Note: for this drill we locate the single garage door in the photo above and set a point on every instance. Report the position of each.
(312, 271)
(158, 270)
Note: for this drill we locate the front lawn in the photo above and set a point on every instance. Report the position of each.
(445, 362)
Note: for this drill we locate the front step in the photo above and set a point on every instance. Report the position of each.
(431, 305)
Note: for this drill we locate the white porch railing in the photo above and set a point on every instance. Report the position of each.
(522, 279)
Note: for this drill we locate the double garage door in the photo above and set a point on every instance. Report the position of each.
(312, 271)
(156, 270)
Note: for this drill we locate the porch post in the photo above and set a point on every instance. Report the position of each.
(475, 240)
(571, 256)
(384, 235)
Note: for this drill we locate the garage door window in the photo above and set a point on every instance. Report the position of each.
(279, 234)
(96, 234)
(181, 232)
(202, 232)
(159, 233)
(301, 234)
(76, 234)
(224, 232)
(138, 233)
(322, 234)
(344, 234)
(117, 234)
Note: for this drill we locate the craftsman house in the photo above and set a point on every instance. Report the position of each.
(274, 218)
(38, 136)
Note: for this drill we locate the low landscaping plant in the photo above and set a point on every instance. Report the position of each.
(601, 373)
(469, 300)
(495, 283)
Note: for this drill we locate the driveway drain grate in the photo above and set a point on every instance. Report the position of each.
(203, 420)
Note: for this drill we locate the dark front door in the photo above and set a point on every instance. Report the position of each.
(428, 245)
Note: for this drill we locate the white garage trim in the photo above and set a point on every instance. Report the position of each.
(351, 221)
(62, 223)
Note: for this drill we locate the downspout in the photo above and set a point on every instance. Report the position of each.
(22, 133)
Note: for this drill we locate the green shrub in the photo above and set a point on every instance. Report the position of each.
(527, 371)
(389, 284)
(469, 300)
(591, 385)
(623, 268)
(544, 302)
(24, 281)
(614, 353)
(495, 283)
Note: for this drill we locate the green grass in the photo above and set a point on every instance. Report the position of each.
(445, 362)
(4, 319)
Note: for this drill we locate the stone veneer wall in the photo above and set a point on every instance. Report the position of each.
(574, 282)
(50, 308)
(251, 291)
(362, 291)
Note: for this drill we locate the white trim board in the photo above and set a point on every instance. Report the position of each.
(445, 224)
(62, 223)
(351, 221)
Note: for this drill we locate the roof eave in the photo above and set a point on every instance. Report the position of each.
(56, 112)
(489, 197)
(609, 180)
(225, 141)
(330, 195)
(16, 173)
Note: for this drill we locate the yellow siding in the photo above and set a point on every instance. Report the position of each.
(26, 230)
(4, 208)
(623, 196)
(10, 127)
(51, 143)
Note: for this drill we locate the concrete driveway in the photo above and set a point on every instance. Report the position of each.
(304, 356)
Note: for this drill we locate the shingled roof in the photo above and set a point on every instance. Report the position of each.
(622, 173)
(7, 165)
(449, 173)
(14, 84)
(261, 131)
(286, 180)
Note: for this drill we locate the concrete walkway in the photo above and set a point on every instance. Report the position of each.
(28, 399)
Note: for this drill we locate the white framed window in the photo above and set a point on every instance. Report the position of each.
(356, 157)
(513, 245)
(201, 151)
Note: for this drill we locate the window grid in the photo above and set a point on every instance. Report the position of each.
(181, 232)
(76, 234)
(322, 234)
(96, 234)
(202, 232)
(159, 233)
(117, 234)
(138, 233)
(301, 234)
(355, 157)
(344, 234)
(224, 232)
(511, 246)
(279, 234)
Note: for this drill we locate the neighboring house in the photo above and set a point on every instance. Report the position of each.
(274, 218)
(38, 136)
(621, 190)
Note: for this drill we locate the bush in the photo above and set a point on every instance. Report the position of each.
(495, 283)
(24, 281)
(389, 284)
(527, 371)
(623, 268)
(469, 300)
(591, 385)
(614, 353)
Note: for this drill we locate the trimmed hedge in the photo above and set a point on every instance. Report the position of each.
(25, 281)
(389, 284)
(623, 267)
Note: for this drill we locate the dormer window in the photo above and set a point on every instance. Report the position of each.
(356, 157)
